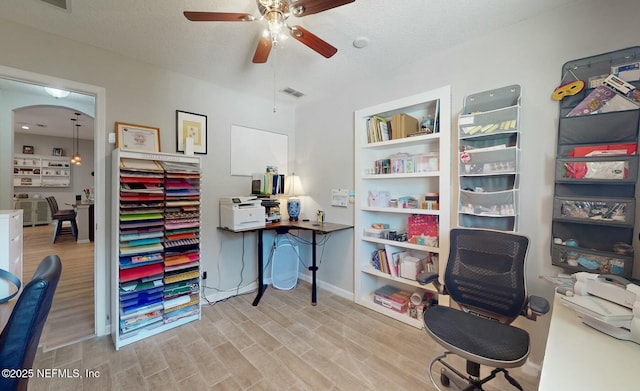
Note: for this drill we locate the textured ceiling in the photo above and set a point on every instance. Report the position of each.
(156, 32)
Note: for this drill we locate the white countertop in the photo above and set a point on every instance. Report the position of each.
(578, 357)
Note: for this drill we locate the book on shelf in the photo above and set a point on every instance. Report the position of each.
(394, 256)
(139, 164)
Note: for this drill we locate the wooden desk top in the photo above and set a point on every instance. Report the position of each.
(309, 225)
(306, 225)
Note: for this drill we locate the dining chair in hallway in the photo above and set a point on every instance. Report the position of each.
(60, 216)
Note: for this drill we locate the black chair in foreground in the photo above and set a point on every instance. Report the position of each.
(20, 337)
(485, 276)
(61, 216)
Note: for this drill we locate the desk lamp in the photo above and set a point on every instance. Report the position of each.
(293, 188)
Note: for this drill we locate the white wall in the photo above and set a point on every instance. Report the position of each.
(141, 94)
(530, 53)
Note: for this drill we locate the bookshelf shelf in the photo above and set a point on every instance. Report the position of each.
(41, 171)
(401, 210)
(421, 165)
(156, 276)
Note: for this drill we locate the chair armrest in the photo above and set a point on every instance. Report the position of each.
(536, 306)
(431, 278)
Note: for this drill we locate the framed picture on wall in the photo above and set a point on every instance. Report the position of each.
(57, 151)
(194, 126)
(137, 138)
(28, 149)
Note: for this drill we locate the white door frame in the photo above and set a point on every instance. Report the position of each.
(101, 274)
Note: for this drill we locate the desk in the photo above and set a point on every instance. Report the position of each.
(284, 227)
(578, 357)
(84, 218)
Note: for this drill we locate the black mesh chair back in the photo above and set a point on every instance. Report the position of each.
(485, 272)
(20, 337)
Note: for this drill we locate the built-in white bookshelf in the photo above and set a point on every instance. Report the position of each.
(41, 171)
(415, 184)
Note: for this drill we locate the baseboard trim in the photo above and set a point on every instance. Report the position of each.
(328, 287)
(221, 295)
(531, 368)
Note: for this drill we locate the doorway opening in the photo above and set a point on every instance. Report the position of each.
(97, 256)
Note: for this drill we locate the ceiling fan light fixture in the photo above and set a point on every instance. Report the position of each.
(275, 21)
(296, 33)
(297, 10)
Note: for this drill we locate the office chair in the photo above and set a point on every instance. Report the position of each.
(20, 337)
(61, 216)
(485, 276)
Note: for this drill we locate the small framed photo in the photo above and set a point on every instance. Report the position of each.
(57, 151)
(194, 126)
(137, 138)
(27, 149)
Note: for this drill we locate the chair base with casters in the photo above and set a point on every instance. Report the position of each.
(485, 276)
(507, 346)
(20, 337)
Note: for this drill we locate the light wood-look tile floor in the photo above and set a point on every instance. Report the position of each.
(282, 344)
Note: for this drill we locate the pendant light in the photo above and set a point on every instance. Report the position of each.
(76, 158)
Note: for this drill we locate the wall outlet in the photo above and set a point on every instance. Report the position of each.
(204, 275)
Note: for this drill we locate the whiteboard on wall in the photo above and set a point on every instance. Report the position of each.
(252, 150)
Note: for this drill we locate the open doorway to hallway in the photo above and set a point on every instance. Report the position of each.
(77, 317)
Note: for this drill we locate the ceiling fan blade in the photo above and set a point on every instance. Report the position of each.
(196, 16)
(308, 7)
(262, 51)
(313, 41)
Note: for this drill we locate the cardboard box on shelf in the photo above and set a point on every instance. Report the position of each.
(402, 125)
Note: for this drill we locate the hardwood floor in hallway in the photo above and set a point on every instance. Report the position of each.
(71, 318)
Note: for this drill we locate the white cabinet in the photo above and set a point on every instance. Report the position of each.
(41, 171)
(156, 224)
(36, 211)
(403, 195)
(10, 246)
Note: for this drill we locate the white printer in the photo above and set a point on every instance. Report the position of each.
(238, 213)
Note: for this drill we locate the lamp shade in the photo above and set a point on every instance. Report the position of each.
(293, 185)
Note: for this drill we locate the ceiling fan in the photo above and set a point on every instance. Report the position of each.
(276, 13)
